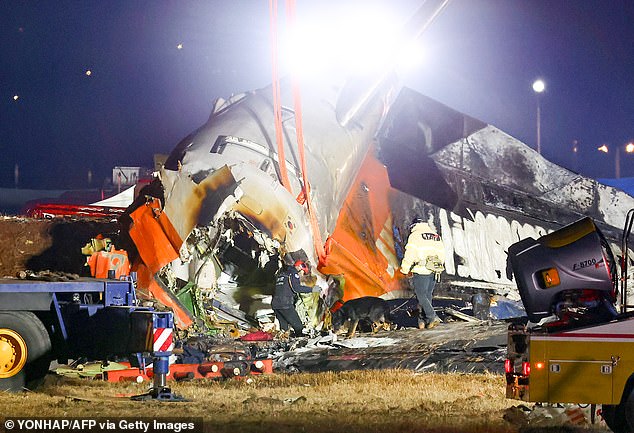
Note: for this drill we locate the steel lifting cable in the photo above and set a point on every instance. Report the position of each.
(277, 101)
(297, 103)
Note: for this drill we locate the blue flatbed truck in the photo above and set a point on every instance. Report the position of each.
(41, 321)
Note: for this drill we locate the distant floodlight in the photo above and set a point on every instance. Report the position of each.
(16, 97)
(629, 148)
(88, 72)
(539, 86)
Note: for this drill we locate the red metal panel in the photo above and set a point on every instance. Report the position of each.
(364, 225)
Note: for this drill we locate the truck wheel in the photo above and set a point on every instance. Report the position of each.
(628, 408)
(25, 349)
(620, 418)
(614, 416)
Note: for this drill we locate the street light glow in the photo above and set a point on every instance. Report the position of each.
(539, 86)
(629, 148)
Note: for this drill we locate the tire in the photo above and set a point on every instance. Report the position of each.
(25, 350)
(614, 416)
(620, 418)
(628, 408)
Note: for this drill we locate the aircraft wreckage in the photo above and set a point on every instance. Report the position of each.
(336, 180)
(223, 220)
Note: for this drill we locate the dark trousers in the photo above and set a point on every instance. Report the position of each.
(424, 290)
(289, 317)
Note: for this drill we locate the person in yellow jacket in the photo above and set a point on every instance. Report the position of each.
(424, 257)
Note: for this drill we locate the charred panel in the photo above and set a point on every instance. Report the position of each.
(414, 129)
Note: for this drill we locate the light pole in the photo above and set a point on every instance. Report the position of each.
(629, 148)
(538, 87)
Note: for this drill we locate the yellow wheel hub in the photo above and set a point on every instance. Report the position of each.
(12, 353)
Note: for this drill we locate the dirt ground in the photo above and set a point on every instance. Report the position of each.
(48, 244)
(353, 401)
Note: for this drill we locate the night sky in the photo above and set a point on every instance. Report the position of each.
(155, 68)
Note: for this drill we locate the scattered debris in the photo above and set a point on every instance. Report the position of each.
(450, 347)
(259, 401)
(544, 416)
(91, 370)
(460, 315)
(46, 276)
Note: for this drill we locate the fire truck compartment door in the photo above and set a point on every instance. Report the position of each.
(580, 381)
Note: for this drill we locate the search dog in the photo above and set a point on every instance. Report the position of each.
(371, 309)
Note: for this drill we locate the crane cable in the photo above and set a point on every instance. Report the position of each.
(297, 105)
(297, 108)
(277, 103)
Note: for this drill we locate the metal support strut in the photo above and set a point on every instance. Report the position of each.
(163, 324)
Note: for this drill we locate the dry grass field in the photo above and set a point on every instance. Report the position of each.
(352, 401)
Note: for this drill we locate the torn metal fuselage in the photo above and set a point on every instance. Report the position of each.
(481, 188)
(223, 185)
(224, 198)
(227, 220)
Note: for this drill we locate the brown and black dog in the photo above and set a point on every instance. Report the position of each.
(369, 308)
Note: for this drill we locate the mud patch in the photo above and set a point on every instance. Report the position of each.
(55, 244)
